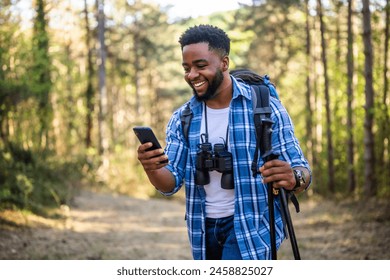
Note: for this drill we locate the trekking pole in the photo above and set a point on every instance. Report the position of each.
(271, 209)
(290, 227)
(267, 155)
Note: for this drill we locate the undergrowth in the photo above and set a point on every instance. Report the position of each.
(37, 182)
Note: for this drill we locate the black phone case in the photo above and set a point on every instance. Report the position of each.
(145, 134)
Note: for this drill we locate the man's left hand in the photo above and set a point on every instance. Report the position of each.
(278, 172)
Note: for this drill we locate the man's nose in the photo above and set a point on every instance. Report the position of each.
(192, 74)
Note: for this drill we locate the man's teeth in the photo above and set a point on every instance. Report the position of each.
(199, 84)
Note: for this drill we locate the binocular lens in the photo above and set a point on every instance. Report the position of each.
(218, 159)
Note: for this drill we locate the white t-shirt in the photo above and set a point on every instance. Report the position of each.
(219, 201)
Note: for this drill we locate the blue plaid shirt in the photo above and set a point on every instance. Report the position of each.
(251, 218)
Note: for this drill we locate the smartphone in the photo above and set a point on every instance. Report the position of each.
(145, 134)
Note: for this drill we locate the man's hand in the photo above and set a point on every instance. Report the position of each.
(280, 173)
(151, 160)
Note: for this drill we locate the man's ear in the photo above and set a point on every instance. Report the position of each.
(225, 63)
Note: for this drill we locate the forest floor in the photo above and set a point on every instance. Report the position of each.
(105, 226)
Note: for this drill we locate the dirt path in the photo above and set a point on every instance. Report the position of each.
(103, 226)
(106, 226)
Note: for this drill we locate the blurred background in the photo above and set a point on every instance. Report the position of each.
(76, 76)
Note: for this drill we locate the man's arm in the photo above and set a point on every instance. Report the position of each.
(153, 164)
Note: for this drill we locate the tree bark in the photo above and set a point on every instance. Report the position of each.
(350, 94)
(385, 125)
(89, 94)
(327, 101)
(103, 139)
(369, 155)
(309, 102)
(41, 72)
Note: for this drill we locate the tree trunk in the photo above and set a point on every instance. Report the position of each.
(103, 130)
(309, 106)
(41, 72)
(369, 155)
(90, 73)
(327, 102)
(350, 94)
(384, 145)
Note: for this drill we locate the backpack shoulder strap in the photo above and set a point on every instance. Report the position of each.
(260, 101)
(186, 117)
(261, 111)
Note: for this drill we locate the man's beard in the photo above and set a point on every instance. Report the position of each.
(212, 88)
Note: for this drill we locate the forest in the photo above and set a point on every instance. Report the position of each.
(77, 76)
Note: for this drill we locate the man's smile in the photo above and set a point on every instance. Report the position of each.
(199, 84)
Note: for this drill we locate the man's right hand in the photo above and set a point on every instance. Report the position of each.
(151, 160)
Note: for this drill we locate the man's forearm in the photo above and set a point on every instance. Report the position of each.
(162, 179)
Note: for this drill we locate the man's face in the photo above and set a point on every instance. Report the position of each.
(202, 70)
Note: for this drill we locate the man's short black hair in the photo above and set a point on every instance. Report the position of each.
(217, 39)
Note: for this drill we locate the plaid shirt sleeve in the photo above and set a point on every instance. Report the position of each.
(284, 140)
(176, 150)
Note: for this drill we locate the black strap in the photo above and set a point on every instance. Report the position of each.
(186, 117)
(261, 111)
(294, 201)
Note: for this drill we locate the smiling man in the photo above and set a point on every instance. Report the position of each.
(226, 207)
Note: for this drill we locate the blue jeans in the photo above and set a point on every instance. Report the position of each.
(221, 242)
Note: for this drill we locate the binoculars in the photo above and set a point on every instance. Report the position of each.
(218, 159)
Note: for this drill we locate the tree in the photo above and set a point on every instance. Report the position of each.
(384, 131)
(41, 71)
(9, 88)
(103, 131)
(89, 92)
(309, 114)
(327, 100)
(369, 155)
(350, 94)
(274, 28)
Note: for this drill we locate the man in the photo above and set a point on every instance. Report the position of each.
(226, 219)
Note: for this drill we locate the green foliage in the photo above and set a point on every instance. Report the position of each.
(35, 181)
